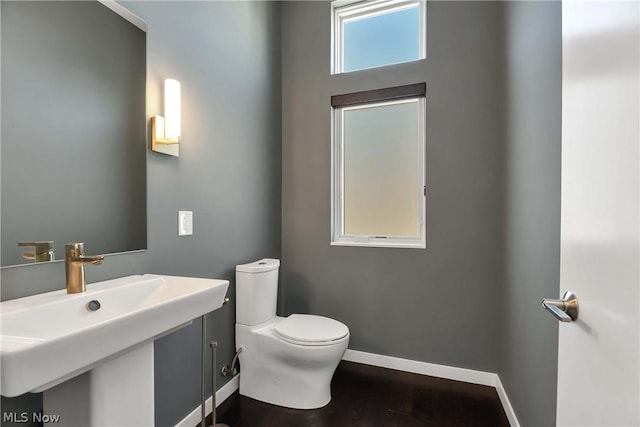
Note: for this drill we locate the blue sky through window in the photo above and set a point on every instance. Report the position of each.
(385, 39)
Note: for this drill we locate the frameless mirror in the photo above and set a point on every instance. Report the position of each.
(73, 153)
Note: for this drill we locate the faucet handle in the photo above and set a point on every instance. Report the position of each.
(73, 249)
(43, 251)
(76, 252)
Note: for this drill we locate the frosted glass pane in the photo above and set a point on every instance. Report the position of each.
(381, 170)
(381, 40)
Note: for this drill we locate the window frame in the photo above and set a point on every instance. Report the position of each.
(343, 11)
(369, 99)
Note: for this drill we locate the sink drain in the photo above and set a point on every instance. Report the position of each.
(93, 305)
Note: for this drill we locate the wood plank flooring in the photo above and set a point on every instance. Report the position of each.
(368, 396)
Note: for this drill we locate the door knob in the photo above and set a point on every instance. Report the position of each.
(565, 309)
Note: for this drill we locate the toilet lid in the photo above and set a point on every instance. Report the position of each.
(310, 329)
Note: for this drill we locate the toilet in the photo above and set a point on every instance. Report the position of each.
(285, 361)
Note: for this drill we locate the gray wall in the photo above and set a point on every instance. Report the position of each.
(436, 304)
(73, 109)
(532, 114)
(227, 58)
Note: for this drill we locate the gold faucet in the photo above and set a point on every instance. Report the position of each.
(74, 260)
(43, 251)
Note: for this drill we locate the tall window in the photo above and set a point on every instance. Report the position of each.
(371, 34)
(378, 187)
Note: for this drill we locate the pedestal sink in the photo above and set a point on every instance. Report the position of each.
(92, 353)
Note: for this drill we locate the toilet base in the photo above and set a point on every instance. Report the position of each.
(275, 394)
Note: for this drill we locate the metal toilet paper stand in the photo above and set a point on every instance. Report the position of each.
(214, 348)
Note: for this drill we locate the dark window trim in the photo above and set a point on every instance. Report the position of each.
(379, 95)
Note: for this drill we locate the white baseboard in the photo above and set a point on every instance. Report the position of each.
(506, 404)
(222, 394)
(441, 371)
(431, 369)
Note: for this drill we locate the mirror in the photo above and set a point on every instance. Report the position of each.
(73, 153)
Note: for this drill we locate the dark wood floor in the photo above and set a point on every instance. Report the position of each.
(369, 396)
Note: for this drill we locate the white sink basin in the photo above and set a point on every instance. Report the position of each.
(52, 337)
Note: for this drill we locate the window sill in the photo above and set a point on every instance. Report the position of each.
(381, 244)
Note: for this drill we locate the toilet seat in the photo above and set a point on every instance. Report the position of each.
(311, 330)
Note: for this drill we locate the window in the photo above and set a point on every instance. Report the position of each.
(371, 34)
(378, 154)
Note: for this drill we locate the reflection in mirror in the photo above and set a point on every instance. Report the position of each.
(73, 160)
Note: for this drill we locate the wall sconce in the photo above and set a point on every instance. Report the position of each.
(165, 131)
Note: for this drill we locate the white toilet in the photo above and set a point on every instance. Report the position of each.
(286, 361)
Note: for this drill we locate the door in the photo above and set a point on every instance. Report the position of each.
(599, 355)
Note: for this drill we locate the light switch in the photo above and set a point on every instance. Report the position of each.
(185, 223)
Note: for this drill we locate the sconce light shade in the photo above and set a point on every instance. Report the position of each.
(172, 109)
(165, 131)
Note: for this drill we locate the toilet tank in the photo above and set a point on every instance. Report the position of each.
(256, 291)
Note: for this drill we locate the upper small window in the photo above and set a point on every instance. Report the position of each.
(371, 34)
